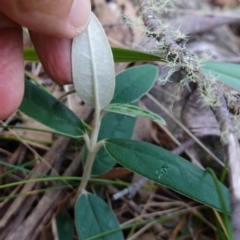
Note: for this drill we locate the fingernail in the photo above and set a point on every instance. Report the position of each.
(80, 14)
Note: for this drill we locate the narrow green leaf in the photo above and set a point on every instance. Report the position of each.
(230, 69)
(230, 81)
(119, 55)
(93, 216)
(65, 227)
(30, 55)
(133, 111)
(92, 66)
(168, 170)
(226, 218)
(134, 82)
(227, 73)
(128, 55)
(44, 108)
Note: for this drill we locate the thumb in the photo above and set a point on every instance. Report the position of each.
(57, 18)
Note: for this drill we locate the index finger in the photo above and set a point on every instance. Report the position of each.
(58, 18)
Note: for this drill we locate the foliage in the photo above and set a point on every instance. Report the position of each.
(104, 147)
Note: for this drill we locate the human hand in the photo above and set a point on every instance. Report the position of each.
(52, 24)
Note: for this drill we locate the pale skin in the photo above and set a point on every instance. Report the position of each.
(52, 24)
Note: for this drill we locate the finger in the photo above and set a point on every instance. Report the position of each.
(11, 67)
(58, 18)
(55, 56)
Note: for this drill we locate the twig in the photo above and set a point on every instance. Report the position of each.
(182, 148)
(130, 191)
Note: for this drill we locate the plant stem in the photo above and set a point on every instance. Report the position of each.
(92, 151)
(95, 129)
(86, 172)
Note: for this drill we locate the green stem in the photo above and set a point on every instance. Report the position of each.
(93, 148)
(95, 130)
(86, 172)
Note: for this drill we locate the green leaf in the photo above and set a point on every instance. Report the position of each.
(133, 111)
(134, 82)
(230, 69)
(227, 73)
(225, 218)
(44, 108)
(93, 216)
(30, 55)
(119, 55)
(65, 227)
(128, 55)
(113, 125)
(168, 170)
